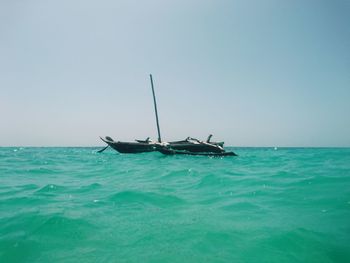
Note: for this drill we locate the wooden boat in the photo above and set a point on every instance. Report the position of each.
(189, 145)
(195, 145)
(138, 146)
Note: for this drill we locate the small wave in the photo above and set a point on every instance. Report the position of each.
(62, 226)
(26, 188)
(41, 170)
(214, 181)
(52, 228)
(145, 198)
(90, 187)
(50, 189)
(239, 206)
(20, 201)
(178, 173)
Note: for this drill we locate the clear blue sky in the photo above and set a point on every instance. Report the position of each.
(251, 72)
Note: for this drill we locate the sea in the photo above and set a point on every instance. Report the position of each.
(266, 205)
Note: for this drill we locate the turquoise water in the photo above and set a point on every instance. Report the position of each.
(75, 205)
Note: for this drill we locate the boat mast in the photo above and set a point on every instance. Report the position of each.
(155, 108)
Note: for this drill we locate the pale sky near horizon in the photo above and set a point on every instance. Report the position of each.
(251, 72)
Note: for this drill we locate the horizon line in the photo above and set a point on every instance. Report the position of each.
(98, 146)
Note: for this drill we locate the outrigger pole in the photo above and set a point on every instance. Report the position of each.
(155, 109)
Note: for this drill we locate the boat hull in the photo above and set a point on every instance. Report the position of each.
(130, 147)
(196, 147)
(171, 151)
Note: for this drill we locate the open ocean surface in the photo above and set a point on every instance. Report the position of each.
(266, 205)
